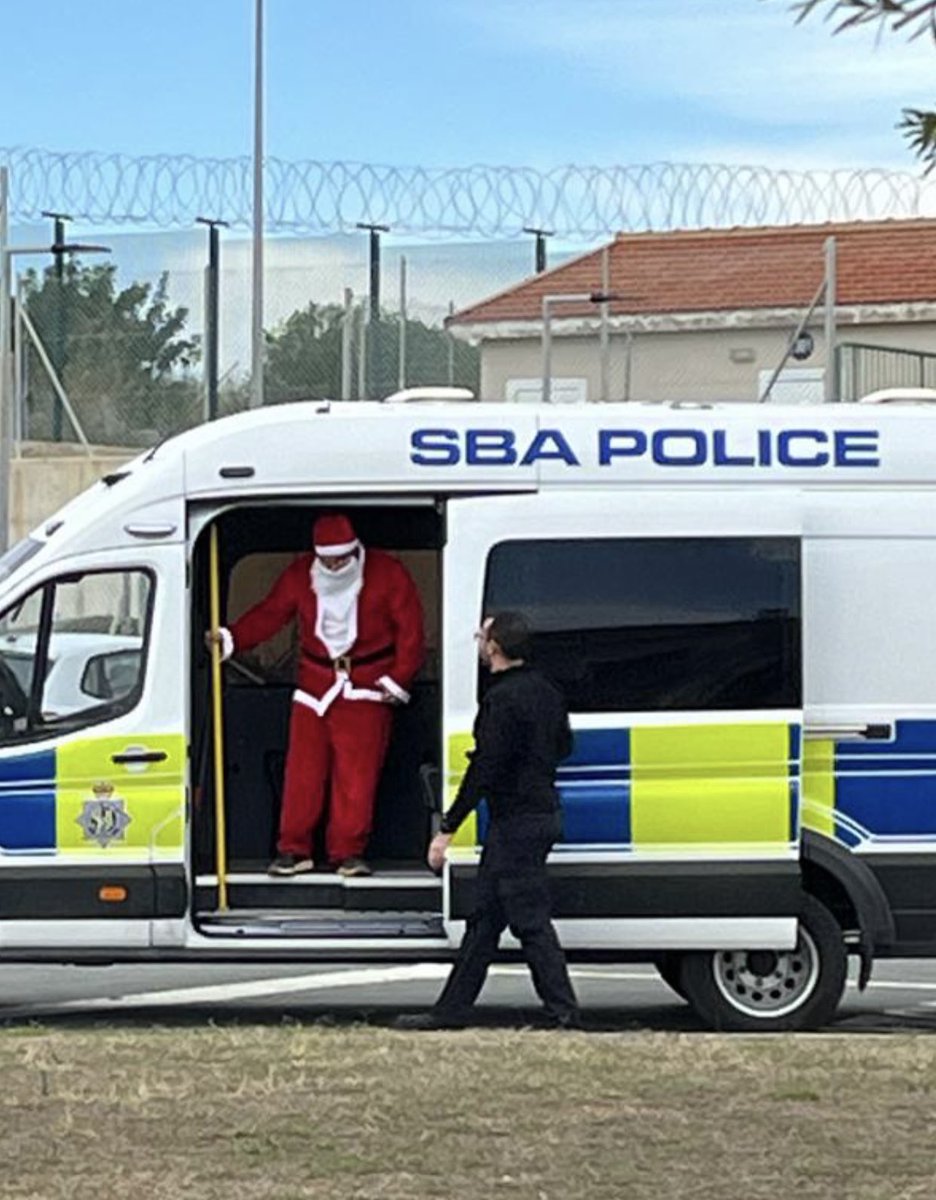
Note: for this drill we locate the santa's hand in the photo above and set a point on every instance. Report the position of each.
(437, 848)
(388, 696)
(212, 638)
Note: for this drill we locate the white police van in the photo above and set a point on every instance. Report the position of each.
(738, 602)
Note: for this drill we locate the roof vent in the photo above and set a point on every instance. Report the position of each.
(901, 395)
(431, 394)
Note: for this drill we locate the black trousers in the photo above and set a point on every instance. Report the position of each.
(513, 892)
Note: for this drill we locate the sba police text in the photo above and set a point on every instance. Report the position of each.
(676, 447)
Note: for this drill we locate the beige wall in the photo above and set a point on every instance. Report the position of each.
(42, 483)
(685, 365)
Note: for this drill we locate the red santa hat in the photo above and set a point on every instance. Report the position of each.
(333, 535)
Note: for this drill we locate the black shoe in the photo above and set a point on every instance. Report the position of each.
(433, 1019)
(353, 868)
(567, 1020)
(290, 864)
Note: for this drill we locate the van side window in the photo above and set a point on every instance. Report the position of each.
(655, 624)
(73, 653)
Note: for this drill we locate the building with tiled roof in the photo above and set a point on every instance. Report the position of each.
(708, 314)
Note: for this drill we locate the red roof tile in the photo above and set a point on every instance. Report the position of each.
(728, 269)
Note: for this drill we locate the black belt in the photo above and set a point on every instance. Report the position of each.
(347, 660)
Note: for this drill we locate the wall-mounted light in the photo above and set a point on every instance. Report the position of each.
(803, 346)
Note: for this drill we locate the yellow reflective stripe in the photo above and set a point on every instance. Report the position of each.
(713, 784)
(818, 808)
(458, 746)
(102, 806)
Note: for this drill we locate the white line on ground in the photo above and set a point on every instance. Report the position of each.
(248, 990)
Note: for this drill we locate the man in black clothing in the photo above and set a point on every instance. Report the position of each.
(521, 735)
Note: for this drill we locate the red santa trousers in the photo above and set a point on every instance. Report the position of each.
(346, 749)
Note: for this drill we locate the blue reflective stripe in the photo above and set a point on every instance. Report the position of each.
(888, 788)
(27, 801)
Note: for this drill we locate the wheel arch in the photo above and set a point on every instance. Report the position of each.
(832, 872)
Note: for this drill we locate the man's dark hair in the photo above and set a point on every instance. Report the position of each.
(511, 631)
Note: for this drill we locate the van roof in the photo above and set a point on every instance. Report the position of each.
(360, 449)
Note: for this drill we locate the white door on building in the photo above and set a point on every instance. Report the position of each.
(795, 385)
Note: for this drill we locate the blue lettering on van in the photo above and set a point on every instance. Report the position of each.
(856, 448)
(435, 447)
(490, 448)
(549, 444)
(672, 447)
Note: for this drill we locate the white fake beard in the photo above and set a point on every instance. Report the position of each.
(337, 592)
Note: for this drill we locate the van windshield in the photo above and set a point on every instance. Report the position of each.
(17, 555)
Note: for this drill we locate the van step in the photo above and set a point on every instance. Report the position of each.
(400, 891)
(321, 923)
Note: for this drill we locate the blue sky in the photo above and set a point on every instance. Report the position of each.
(452, 82)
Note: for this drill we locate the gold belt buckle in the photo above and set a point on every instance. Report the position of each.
(343, 664)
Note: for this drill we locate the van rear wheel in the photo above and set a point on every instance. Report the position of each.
(771, 991)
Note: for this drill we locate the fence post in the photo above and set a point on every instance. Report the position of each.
(451, 347)
(401, 372)
(831, 375)
(604, 389)
(347, 335)
(362, 354)
(6, 399)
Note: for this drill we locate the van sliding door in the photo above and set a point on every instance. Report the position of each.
(672, 625)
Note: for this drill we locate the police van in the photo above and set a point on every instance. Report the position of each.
(738, 601)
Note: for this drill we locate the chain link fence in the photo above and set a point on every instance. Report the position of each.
(113, 353)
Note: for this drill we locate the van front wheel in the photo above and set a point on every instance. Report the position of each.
(771, 991)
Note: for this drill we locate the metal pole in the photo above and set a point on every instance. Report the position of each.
(6, 423)
(541, 235)
(347, 333)
(451, 347)
(547, 353)
(401, 376)
(256, 334)
(831, 371)
(212, 320)
(57, 343)
(19, 373)
(628, 362)
(217, 718)
(604, 390)
(373, 348)
(362, 355)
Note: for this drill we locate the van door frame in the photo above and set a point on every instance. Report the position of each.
(475, 526)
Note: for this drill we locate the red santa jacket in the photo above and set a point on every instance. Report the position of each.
(390, 645)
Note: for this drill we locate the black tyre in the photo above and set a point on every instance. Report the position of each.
(771, 991)
(669, 964)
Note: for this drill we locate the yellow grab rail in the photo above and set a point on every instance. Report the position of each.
(217, 716)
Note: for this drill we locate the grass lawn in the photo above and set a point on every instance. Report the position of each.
(290, 1111)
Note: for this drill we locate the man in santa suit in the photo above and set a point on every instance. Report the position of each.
(361, 643)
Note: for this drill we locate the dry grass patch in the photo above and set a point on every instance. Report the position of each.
(288, 1112)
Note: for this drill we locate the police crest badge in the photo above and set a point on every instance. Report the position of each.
(104, 818)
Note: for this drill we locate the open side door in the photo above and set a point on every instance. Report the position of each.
(673, 624)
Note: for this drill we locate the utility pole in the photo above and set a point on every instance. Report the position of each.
(401, 365)
(58, 342)
(373, 350)
(831, 289)
(541, 236)
(256, 319)
(212, 293)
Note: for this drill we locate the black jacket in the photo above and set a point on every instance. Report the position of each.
(521, 735)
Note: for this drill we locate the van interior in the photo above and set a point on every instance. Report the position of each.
(402, 898)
